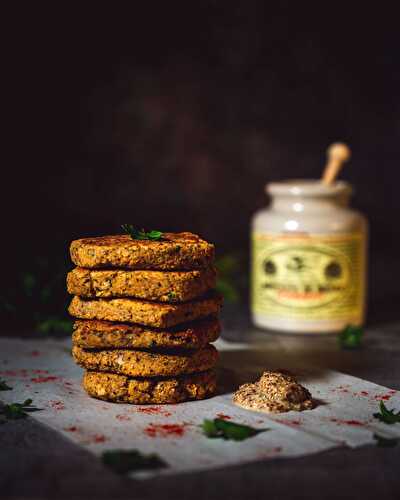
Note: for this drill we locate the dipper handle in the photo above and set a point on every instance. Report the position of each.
(338, 153)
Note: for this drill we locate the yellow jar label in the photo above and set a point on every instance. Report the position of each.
(308, 276)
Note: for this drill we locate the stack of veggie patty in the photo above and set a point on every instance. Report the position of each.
(146, 314)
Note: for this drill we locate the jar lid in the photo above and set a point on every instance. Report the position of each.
(307, 187)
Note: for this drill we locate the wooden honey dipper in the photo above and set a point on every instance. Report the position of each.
(338, 153)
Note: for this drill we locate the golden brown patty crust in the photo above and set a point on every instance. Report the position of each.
(122, 389)
(95, 334)
(157, 314)
(181, 251)
(163, 286)
(146, 363)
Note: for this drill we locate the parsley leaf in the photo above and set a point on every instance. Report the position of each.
(124, 461)
(154, 235)
(141, 234)
(387, 416)
(219, 428)
(385, 442)
(54, 324)
(351, 337)
(4, 386)
(15, 411)
(229, 274)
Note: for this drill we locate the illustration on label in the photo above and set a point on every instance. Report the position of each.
(310, 277)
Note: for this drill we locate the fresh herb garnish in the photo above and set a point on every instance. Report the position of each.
(38, 289)
(385, 442)
(4, 386)
(219, 428)
(141, 234)
(387, 416)
(230, 271)
(54, 324)
(14, 411)
(171, 296)
(351, 337)
(124, 461)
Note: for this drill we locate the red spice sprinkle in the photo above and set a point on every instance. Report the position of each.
(347, 422)
(383, 397)
(122, 417)
(341, 388)
(15, 373)
(293, 422)
(165, 430)
(35, 353)
(150, 410)
(68, 383)
(71, 429)
(57, 405)
(223, 417)
(40, 372)
(289, 422)
(364, 393)
(154, 410)
(41, 380)
(99, 438)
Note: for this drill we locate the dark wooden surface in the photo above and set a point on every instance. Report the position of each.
(36, 462)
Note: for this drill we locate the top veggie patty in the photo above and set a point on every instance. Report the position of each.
(180, 251)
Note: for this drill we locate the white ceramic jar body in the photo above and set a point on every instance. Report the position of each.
(308, 259)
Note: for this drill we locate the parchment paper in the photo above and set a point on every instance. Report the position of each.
(45, 372)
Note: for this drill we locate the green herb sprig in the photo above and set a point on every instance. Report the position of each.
(38, 289)
(141, 234)
(4, 386)
(171, 296)
(230, 272)
(387, 416)
(385, 442)
(351, 337)
(124, 461)
(15, 411)
(219, 428)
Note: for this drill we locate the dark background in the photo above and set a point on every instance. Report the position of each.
(174, 116)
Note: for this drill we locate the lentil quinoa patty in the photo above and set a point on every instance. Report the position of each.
(95, 334)
(122, 389)
(163, 286)
(157, 314)
(181, 251)
(137, 363)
